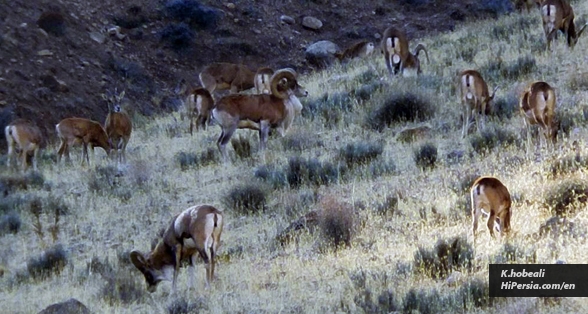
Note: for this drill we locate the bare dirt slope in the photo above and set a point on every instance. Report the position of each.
(57, 57)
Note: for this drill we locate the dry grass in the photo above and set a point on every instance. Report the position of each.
(396, 213)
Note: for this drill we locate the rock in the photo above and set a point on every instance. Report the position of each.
(230, 6)
(321, 53)
(312, 23)
(98, 37)
(409, 135)
(71, 306)
(287, 19)
(44, 52)
(116, 31)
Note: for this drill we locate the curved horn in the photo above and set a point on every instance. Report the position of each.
(287, 74)
(582, 30)
(494, 92)
(418, 49)
(138, 260)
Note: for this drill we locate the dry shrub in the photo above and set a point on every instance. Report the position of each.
(565, 198)
(448, 255)
(336, 222)
(246, 199)
(51, 261)
(425, 156)
(511, 253)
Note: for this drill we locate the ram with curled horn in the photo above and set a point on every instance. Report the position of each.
(558, 15)
(260, 112)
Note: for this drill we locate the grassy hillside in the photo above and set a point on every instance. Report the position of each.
(344, 156)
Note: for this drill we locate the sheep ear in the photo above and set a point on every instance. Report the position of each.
(138, 260)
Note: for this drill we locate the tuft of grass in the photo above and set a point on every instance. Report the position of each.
(567, 165)
(12, 183)
(566, 197)
(448, 255)
(558, 226)
(183, 306)
(389, 206)
(578, 81)
(336, 222)
(399, 108)
(422, 301)
(425, 156)
(499, 70)
(242, 147)
(272, 176)
(476, 292)
(360, 153)
(50, 262)
(490, 138)
(246, 199)
(300, 141)
(311, 171)
(197, 160)
(123, 288)
(510, 253)
(10, 223)
(330, 107)
(505, 107)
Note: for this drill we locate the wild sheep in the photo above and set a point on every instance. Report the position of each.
(538, 107)
(196, 230)
(267, 111)
(199, 104)
(359, 49)
(559, 15)
(397, 56)
(23, 137)
(491, 198)
(262, 80)
(475, 99)
(223, 76)
(73, 131)
(118, 127)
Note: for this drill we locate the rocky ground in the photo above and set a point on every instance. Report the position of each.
(58, 57)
